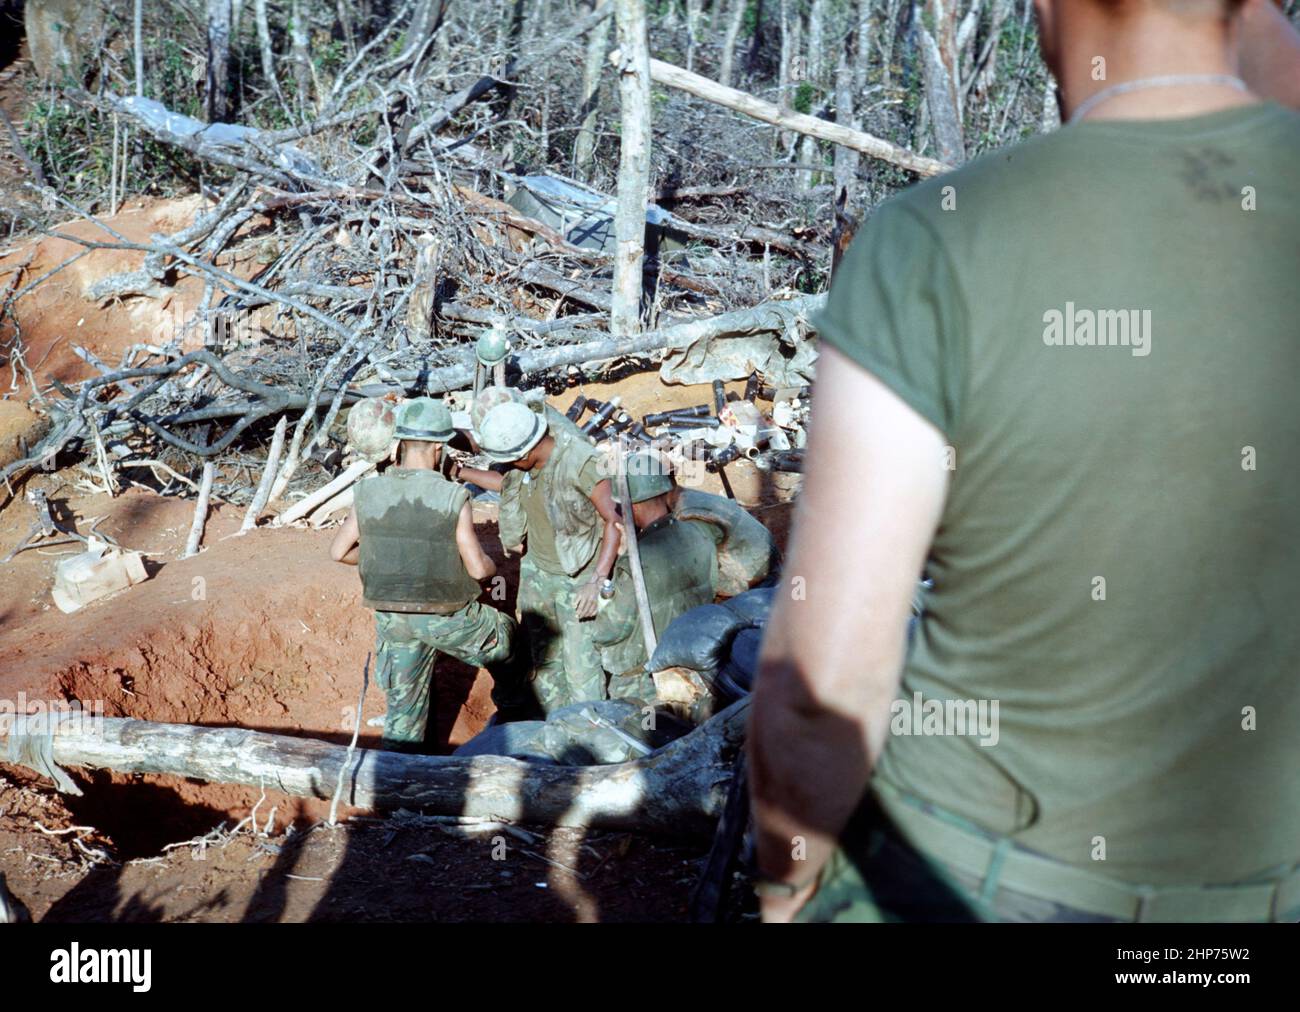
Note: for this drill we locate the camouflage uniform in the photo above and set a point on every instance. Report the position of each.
(565, 660)
(424, 600)
(559, 560)
(679, 562)
(408, 644)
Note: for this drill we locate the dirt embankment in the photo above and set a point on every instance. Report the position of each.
(259, 631)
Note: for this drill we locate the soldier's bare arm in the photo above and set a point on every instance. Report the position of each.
(1270, 53)
(602, 497)
(833, 652)
(477, 562)
(490, 480)
(346, 547)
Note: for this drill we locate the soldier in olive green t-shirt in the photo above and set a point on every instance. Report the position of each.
(1101, 326)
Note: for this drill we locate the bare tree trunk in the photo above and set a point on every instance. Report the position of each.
(299, 41)
(986, 65)
(862, 52)
(735, 19)
(940, 71)
(137, 30)
(816, 56)
(783, 72)
(217, 97)
(887, 38)
(264, 47)
(846, 159)
(633, 166)
(693, 12)
(585, 146)
(678, 790)
(814, 63)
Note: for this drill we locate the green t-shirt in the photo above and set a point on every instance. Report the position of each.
(1155, 714)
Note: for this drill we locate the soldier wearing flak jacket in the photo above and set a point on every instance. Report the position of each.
(411, 533)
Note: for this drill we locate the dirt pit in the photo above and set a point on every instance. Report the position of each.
(264, 631)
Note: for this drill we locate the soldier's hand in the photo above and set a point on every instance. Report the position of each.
(588, 596)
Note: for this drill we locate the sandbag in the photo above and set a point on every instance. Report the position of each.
(582, 734)
(701, 639)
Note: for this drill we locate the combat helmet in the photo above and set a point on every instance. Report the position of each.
(492, 346)
(488, 399)
(423, 418)
(648, 475)
(509, 431)
(371, 424)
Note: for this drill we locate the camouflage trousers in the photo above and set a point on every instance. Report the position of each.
(407, 645)
(566, 662)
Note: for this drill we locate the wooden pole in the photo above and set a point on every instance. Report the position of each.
(634, 555)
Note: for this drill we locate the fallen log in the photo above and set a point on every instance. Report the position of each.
(678, 790)
(742, 102)
(765, 316)
(326, 492)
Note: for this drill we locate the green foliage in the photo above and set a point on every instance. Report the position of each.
(803, 97)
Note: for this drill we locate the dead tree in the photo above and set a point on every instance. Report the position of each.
(585, 146)
(940, 64)
(217, 98)
(735, 18)
(678, 790)
(739, 101)
(633, 166)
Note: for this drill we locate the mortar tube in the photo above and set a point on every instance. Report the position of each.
(721, 458)
(601, 416)
(719, 396)
(659, 417)
(687, 422)
(577, 408)
(759, 444)
(751, 386)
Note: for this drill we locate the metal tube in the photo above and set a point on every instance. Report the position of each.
(577, 408)
(719, 396)
(660, 417)
(601, 416)
(721, 458)
(689, 422)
